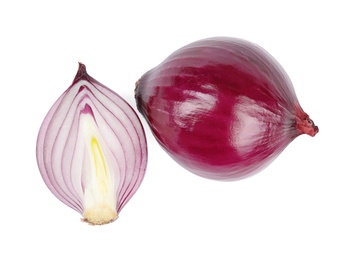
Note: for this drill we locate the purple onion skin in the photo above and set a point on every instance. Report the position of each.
(223, 108)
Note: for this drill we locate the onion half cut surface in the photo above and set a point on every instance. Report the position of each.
(92, 150)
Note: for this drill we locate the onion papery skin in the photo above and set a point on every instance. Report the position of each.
(221, 107)
(92, 150)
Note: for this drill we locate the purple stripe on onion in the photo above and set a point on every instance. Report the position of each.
(223, 108)
(92, 150)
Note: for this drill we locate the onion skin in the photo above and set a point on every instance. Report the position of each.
(92, 150)
(223, 108)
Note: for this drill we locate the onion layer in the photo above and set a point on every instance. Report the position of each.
(221, 107)
(91, 150)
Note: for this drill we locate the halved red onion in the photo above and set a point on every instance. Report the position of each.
(91, 150)
(222, 107)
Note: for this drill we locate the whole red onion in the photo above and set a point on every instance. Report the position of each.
(223, 108)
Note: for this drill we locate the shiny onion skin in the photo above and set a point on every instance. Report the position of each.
(92, 150)
(223, 108)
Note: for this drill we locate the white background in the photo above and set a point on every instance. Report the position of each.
(300, 207)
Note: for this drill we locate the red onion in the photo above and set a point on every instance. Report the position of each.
(91, 150)
(223, 108)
